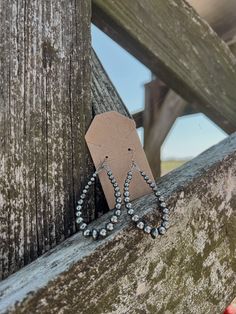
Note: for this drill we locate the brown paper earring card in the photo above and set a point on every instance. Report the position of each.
(112, 134)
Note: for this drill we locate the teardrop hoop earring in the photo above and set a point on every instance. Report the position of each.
(140, 223)
(109, 226)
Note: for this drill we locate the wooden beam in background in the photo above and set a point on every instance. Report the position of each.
(179, 47)
(170, 110)
(189, 110)
(138, 115)
(172, 107)
(155, 93)
(138, 118)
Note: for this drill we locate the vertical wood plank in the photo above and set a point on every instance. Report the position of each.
(155, 92)
(44, 113)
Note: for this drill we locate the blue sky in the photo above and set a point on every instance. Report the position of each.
(189, 135)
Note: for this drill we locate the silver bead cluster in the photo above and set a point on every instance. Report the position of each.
(109, 226)
(141, 224)
(103, 232)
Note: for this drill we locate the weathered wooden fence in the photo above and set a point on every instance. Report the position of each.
(192, 269)
(51, 86)
(45, 111)
(186, 54)
(179, 47)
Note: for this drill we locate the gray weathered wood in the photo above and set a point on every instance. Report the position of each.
(179, 47)
(191, 269)
(44, 113)
(45, 110)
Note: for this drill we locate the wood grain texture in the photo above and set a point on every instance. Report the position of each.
(45, 110)
(44, 113)
(179, 47)
(189, 270)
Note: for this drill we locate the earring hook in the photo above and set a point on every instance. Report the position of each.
(103, 165)
(133, 163)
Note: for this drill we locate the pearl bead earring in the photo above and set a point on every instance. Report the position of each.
(109, 226)
(140, 223)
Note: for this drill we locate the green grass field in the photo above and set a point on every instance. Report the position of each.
(168, 165)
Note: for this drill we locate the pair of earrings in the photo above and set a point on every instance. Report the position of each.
(109, 226)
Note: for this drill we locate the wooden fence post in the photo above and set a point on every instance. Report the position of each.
(45, 110)
(44, 113)
(155, 92)
(171, 109)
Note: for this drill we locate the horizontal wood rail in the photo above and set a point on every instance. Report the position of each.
(194, 261)
(138, 115)
(179, 47)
